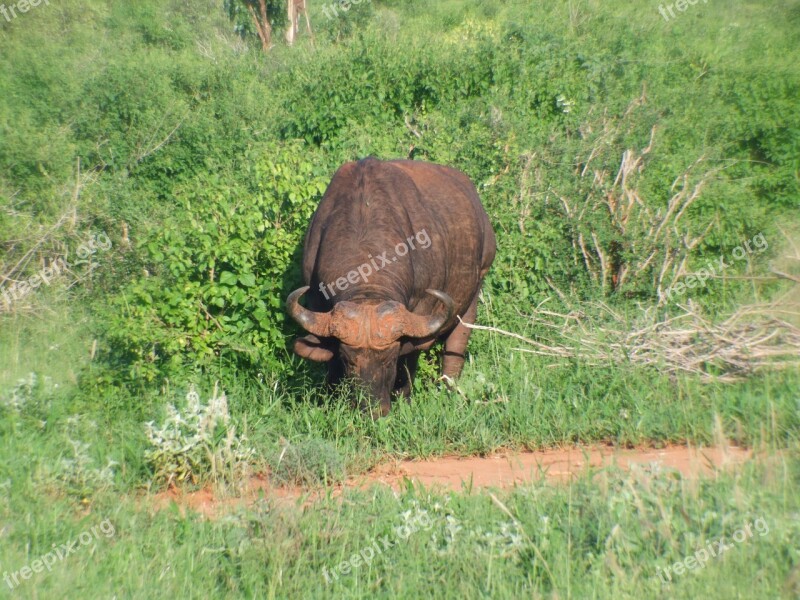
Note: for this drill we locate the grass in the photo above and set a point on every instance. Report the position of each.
(605, 535)
(311, 462)
(507, 400)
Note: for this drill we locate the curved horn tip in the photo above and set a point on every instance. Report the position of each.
(426, 326)
(295, 295)
(444, 299)
(313, 322)
(440, 295)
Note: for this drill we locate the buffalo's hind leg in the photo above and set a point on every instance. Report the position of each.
(455, 345)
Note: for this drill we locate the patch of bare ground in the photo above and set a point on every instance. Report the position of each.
(501, 471)
(507, 470)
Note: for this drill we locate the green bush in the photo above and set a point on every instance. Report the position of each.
(219, 269)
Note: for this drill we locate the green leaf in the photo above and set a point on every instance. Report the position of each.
(227, 278)
(247, 279)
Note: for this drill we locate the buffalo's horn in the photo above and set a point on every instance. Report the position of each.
(421, 327)
(313, 322)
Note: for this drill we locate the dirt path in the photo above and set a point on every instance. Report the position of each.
(499, 471)
(504, 471)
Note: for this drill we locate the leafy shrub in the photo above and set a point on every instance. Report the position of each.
(78, 475)
(200, 442)
(220, 283)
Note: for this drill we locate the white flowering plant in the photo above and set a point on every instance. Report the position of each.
(198, 443)
(79, 475)
(22, 393)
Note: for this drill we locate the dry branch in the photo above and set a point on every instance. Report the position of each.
(640, 242)
(754, 338)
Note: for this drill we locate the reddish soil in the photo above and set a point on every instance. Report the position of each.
(499, 471)
(504, 471)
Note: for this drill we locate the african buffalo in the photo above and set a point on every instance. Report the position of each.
(395, 251)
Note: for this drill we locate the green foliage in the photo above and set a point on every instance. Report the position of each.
(333, 24)
(239, 13)
(163, 124)
(328, 24)
(218, 269)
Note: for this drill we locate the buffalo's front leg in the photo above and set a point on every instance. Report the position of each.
(456, 343)
(406, 371)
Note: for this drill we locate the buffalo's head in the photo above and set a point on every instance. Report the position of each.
(365, 337)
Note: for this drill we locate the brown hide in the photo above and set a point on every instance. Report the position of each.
(370, 209)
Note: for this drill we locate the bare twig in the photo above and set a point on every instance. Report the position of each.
(642, 240)
(783, 275)
(753, 338)
(153, 149)
(411, 127)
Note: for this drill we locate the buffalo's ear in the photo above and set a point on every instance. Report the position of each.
(312, 348)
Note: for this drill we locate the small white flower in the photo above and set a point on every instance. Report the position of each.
(564, 104)
(192, 400)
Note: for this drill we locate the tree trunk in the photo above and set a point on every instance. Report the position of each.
(263, 28)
